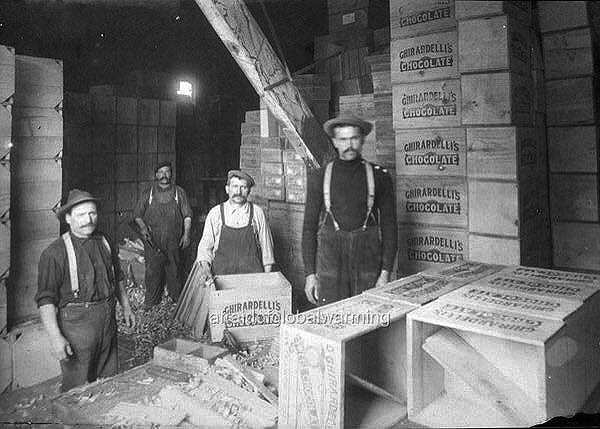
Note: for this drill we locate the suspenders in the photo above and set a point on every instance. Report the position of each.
(151, 196)
(370, 192)
(73, 261)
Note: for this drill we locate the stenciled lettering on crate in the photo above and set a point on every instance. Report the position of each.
(432, 200)
(427, 104)
(491, 44)
(421, 248)
(433, 152)
(415, 290)
(465, 271)
(429, 57)
(413, 17)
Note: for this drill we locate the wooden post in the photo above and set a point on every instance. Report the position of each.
(246, 42)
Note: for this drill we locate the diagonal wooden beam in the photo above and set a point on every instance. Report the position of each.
(248, 45)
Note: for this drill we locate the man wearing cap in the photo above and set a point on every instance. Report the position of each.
(164, 217)
(349, 234)
(79, 277)
(236, 237)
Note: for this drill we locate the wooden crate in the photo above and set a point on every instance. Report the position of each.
(271, 156)
(36, 196)
(250, 306)
(126, 139)
(106, 194)
(148, 112)
(568, 53)
(38, 71)
(427, 104)
(356, 337)
(103, 168)
(127, 111)
(166, 139)
(429, 57)
(574, 197)
(249, 156)
(147, 139)
(250, 128)
(294, 194)
(168, 113)
(496, 99)
(413, 17)
(126, 167)
(468, 9)
(34, 225)
(505, 153)
(104, 109)
(440, 201)
(495, 43)
(252, 116)
(522, 368)
(562, 15)
(7, 72)
(533, 249)
(348, 21)
(573, 149)
(421, 248)
(146, 164)
(439, 152)
(104, 139)
(36, 122)
(575, 245)
(571, 101)
(381, 73)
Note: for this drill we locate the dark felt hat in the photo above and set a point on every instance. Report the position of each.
(345, 119)
(242, 175)
(76, 196)
(163, 164)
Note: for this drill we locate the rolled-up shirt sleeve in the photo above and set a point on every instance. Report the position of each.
(50, 279)
(184, 203)
(265, 238)
(206, 247)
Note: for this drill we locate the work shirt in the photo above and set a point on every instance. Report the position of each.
(235, 217)
(160, 194)
(94, 272)
(349, 207)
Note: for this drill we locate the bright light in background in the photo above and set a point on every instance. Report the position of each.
(185, 88)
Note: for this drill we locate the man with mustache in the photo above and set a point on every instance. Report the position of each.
(349, 233)
(236, 237)
(79, 277)
(164, 216)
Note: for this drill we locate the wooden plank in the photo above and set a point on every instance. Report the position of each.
(427, 104)
(568, 54)
(497, 98)
(148, 112)
(429, 57)
(258, 386)
(490, 44)
(562, 15)
(147, 139)
(104, 109)
(576, 245)
(412, 17)
(126, 110)
(246, 42)
(432, 200)
(439, 152)
(573, 149)
(494, 208)
(505, 153)
(513, 301)
(415, 290)
(468, 9)
(38, 71)
(574, 197)
(457, 357)
(420, 248)
(570, 102)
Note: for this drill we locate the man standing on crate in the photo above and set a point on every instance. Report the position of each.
(79, 277)
(164, 217)
(349, 234)
(236, 237)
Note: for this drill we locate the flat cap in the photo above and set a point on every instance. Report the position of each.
(163, 164)
(241, 175)
(346, 119)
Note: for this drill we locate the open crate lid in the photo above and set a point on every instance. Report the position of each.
(512, 301)
(540, 282)
(496, 323)
(415, 290)
(351, 317)
(253, 282)
(465, 271)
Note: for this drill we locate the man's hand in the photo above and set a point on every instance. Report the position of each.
(61, 349)
(311, 288)
(185, 241)
(207, 274)
(146, 233)
(383, 278)
(129, 317)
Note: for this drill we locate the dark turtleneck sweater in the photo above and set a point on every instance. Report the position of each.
(349, 207)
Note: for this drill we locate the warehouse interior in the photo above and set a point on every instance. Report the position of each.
(484, 114)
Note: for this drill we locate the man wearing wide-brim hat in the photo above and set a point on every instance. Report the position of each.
(79, 277)
(349, 234)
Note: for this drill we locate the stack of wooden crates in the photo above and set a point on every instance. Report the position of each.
(469, 152)
(119, 140)
(570, 50)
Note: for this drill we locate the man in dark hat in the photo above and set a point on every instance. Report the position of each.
(164, 216)
(236, 237)
(349, 234)
(79, 277)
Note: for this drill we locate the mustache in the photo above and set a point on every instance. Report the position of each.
(349, 150)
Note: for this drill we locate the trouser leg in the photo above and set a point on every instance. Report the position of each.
(154, 277)
(364, 259)
(173, 274)
(330, 266)
(107, 359)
